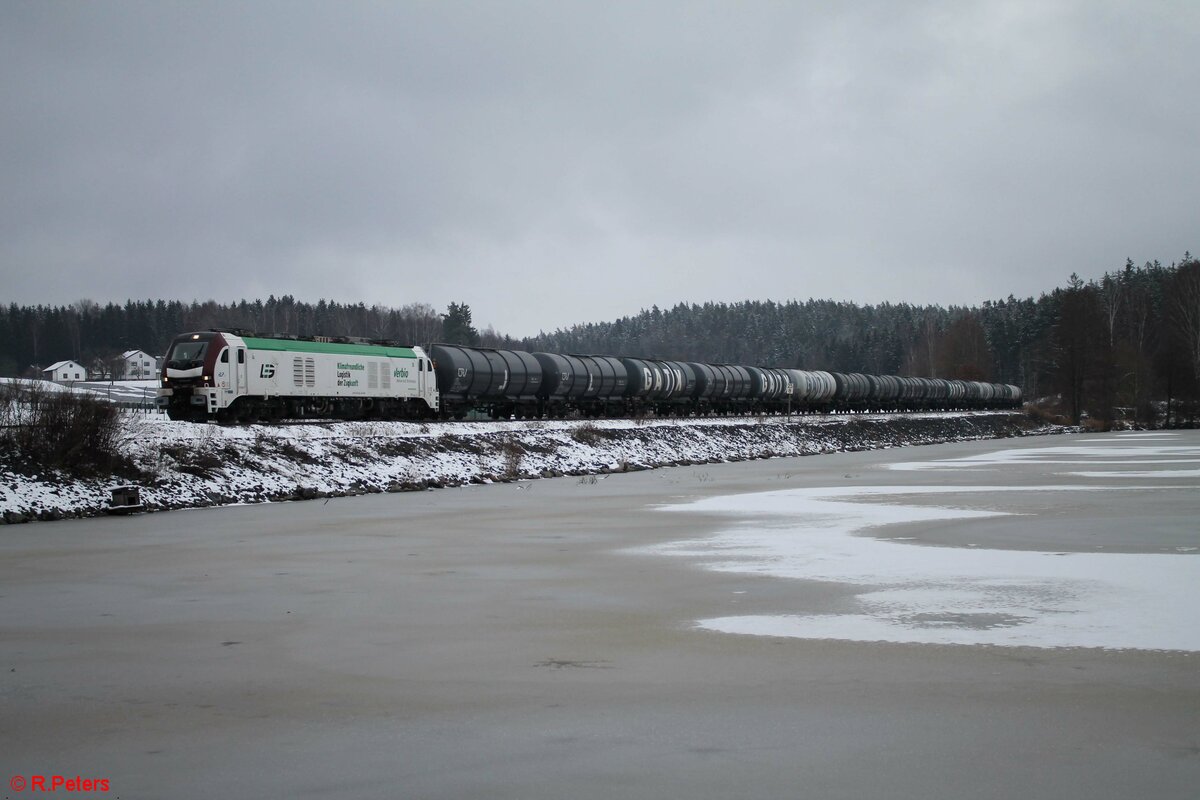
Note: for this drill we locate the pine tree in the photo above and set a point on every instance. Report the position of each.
(456, 326)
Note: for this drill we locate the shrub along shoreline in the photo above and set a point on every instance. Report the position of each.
(190, 466)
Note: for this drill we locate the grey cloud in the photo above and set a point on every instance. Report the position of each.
(557, 162)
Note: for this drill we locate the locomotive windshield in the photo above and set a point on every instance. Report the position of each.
(187, 354)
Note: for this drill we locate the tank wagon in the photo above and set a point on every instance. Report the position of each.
(235, 377)
(811, 391)
(506, 382)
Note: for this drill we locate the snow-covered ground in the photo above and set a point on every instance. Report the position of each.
(189, 465)
(965, 594)
(128, 393)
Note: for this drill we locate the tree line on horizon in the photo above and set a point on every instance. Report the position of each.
(1118, 345)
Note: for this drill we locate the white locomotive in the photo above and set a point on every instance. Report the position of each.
(229, 377)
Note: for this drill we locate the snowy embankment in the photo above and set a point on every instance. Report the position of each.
(187, 465)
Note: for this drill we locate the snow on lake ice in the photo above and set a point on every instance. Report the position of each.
(945, 595)
(1149, 473)
(1122, 450)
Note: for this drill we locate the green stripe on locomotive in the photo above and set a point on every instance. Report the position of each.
(332, 348)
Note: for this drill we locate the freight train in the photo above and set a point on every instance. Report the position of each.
(231, 376)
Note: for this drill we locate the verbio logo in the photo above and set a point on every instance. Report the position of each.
(57, 783)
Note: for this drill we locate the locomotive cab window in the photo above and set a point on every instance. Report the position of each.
(225, 356)
(241, 356)
(186, 352)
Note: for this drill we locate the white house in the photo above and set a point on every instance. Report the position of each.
(65, 372)
(138, 365)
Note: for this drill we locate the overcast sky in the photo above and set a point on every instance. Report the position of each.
(559, 162)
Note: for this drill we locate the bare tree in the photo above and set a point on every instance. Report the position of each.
(962, 351)
(1112, 296)
(382, 322)
(419, 323)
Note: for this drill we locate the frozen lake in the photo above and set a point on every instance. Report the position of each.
(1123, 586)
(991, 619)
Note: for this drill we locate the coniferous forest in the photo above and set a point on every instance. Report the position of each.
(1122, 346)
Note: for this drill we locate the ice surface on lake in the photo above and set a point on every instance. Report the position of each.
(944, 595)
(1125, 449)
